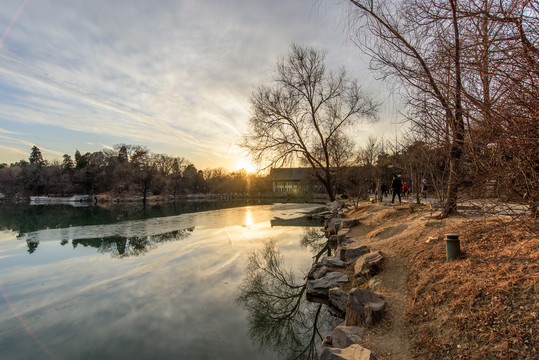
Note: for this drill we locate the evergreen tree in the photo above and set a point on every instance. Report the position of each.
(36, 157)
(68, 164)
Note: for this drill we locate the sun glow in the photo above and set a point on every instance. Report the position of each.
(246, 164)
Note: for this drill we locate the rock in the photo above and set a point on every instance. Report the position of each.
(347, 241)
(369, 264)
(344, 336)
(321, 216)
(348, 223)
(332, 261)
(351, 252)
(318, 270)
(341, 235)
(363, 308)
(338, 299)
(332, 241)
(332, 226)
(337, 205)
(353, 352)
(320, 288)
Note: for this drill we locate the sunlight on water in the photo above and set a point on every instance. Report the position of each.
(160, 287)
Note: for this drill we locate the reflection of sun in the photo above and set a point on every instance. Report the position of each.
(248, 217)
(246, 164)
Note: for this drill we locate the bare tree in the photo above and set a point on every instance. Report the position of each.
(368, 154)
(470, 74)
(418, 43)
(303, 115)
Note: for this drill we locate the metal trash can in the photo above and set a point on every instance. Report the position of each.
(452, 246)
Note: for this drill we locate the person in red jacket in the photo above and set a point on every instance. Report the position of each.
(405, 189)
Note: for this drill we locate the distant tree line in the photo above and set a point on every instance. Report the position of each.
(121, 171)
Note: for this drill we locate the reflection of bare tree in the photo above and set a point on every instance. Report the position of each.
(121, 246)
(279, 317)
(315, 240)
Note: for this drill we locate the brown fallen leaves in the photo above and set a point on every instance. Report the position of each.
(484, 305)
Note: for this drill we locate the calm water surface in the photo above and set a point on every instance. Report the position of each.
(135, 283)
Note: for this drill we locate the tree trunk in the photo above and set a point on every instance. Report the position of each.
(457, 127)
(417, 188)
(329, 189)
(450, 206)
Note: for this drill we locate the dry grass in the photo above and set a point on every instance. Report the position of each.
(481, 306)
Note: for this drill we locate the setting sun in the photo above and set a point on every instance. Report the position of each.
(246, 164)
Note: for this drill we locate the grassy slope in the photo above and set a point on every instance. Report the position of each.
(482, 306)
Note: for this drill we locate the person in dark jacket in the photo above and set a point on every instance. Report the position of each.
(396, 186)
(384, 190)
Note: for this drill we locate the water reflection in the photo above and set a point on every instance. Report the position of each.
(248, 217)
(176, 301)
(280, 318)
(119, 246)
(315, 241)
(122, 246)
(23, 219)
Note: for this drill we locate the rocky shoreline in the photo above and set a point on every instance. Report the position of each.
(489, 290)
(345, 283)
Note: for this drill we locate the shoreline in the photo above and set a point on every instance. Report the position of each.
(442, 309)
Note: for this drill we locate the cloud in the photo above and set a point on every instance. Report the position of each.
(7, 131)
(29, 145)
(173, 75)
(13, 150)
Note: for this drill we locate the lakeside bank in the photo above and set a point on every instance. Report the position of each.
(481, 306)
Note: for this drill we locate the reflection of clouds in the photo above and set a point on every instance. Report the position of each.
(127, 229)
(68, 294)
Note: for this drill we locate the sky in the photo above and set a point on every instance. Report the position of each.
(172, 75)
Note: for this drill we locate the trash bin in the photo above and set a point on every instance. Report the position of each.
(452, 246)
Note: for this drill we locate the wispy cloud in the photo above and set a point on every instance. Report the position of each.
(173, 75)
(13, 150)
(29, 145)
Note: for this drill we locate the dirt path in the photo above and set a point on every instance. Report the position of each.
(489, 291)
(390, 339)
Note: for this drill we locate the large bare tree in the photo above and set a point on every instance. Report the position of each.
(469, 72)
(418, 42)
(303, 116)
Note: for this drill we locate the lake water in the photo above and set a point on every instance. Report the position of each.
(128, 282)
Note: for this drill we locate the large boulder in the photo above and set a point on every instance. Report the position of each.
(338, 300)
(332, 261)
(348, 223)
(332, 226)
(353, 352)
(318, 270)
(369, 264)
(338, 238)
(319, 288)
(364, 308)
(351, 252)
(344, 336)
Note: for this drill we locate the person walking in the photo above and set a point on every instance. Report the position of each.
(424, 188)
(396, 186)
(384, 190)
(405, 189)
